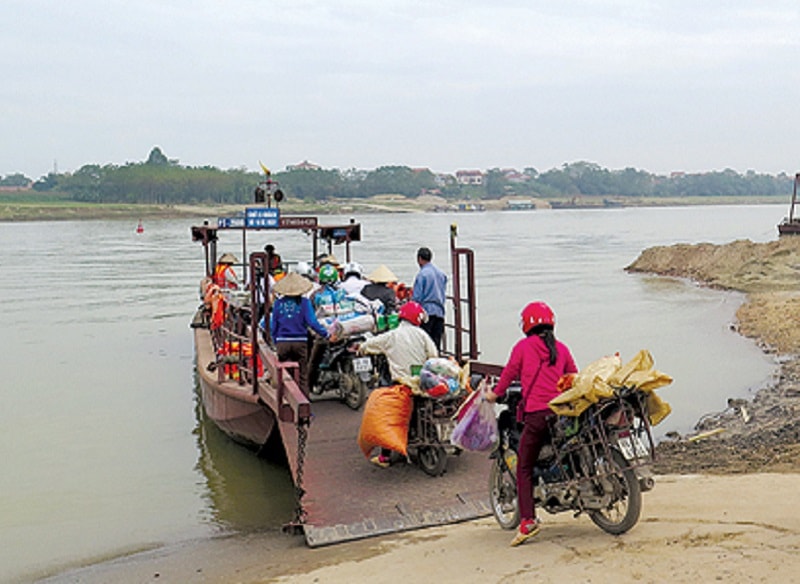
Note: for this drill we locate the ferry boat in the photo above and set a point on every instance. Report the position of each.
(791, 224)
(245, 389)
(256, 401)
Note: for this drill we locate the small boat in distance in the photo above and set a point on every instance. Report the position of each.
(460, 208)
(520, 205)
(791, 224)
(586, 203)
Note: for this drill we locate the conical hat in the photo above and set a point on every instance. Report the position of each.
(382, 275)
(328, 258)
(292, 285)
(227, 258)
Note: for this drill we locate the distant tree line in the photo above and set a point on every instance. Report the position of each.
(160, 180)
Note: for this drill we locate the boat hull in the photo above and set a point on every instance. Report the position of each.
(233, 408)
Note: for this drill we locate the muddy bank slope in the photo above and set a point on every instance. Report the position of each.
(763, 434)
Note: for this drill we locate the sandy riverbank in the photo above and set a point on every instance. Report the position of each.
(693, 529)
(736, 522)
(762, 434)
(63, 210)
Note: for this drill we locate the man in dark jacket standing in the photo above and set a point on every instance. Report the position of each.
(379, 288)
(430, 286)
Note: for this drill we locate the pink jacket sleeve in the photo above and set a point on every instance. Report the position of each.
(511, 371)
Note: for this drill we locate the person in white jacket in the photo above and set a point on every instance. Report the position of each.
(405, 346)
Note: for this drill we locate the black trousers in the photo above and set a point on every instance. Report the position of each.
(435, 328)
(295, 351)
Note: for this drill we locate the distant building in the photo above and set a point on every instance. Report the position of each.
(513, 176)
(443, 179)
(305, 165)
(469, 177)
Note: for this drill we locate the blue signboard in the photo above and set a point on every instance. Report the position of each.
(261, 217)
(230, 222)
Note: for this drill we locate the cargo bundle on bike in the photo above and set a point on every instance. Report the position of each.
(600, 447)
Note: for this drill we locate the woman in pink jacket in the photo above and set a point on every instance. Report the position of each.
(538, 361)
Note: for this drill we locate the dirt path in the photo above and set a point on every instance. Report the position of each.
(693, 529)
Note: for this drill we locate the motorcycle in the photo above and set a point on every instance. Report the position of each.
(431, 424)
(343, 373)
(597, 463)
(429, 432)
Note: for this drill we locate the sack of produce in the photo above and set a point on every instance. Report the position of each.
(360, 324)
(384, 423)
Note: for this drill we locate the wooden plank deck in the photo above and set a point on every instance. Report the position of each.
(349, 498)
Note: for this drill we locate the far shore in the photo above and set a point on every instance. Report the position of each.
(69, 211)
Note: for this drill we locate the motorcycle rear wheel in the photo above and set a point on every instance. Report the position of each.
(432, 458)
(503, 495)
(354, 390)
(623, 514)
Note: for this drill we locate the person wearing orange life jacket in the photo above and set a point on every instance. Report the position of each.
(274, 263)
(538, 361)
(223, 275)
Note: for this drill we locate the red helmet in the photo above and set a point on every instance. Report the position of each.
(536, 313)
(413, 313)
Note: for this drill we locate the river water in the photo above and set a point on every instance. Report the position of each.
(104, 447)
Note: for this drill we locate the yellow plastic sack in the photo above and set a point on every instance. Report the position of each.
(658, 408)
(597, 380)
(588, 387)
(639, 373)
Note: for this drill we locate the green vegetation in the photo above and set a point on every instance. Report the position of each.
(163, 183)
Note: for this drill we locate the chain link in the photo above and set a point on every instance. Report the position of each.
(302, 437)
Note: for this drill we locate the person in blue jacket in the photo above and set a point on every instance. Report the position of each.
(292, 318)
(430, 287)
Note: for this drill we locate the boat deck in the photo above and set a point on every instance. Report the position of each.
(349, 498)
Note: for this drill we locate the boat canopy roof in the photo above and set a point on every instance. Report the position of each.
(257, 219)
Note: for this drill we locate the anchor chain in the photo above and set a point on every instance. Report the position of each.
(302, 437)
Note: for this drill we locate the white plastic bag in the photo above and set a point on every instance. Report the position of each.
(477, 429)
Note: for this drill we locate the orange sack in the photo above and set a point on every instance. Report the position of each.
(384, 423)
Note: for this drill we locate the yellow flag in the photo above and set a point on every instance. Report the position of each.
(264, 168)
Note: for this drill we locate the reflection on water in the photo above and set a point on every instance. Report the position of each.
(244, 492)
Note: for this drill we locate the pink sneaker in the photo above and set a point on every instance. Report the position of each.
(381, 461)
(527, 529)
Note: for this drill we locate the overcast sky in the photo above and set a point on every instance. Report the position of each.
(659, 86)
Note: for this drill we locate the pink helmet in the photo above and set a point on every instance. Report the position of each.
(413, 313)
(536, 313)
